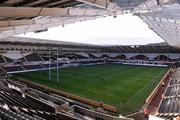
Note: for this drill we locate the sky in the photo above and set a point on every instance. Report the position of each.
(123, 30)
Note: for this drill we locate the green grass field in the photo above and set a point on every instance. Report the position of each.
(123, 86)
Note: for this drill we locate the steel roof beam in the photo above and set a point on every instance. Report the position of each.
(24, 3)
(46, 3)
(105, 4)
(9, 23)
(38, 11)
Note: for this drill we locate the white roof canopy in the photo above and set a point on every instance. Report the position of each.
(22, 16)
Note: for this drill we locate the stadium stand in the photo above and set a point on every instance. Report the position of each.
(169, 106)
(8, 60)
(80, 56)
(139, 57)
(104, 56)
(33, 57)
(12, 68)
(46, 57)
(43, 103)
(19, 61)
(1, 59)
(92, 56)
(19, 101)
(31, 67)
(121, 57)
(161, 16)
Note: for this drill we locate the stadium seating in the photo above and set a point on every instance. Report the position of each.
(92, 56)
(139, 57)
(170, 105)
(173, 90)
(46, 58)
(80, 56)
(162, 58)
(33, 57)
(23, 107)
(104, 56)
(27, 103)
(41, 104)
(8, 60)
(11, 98)
(121, 57)
(1, 59)
(52, 65)
(12, 68)
(167, 116)
(31, 67)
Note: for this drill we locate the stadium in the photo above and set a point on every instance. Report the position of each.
(42, 79)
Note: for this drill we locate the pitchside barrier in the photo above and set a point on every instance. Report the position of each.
(72, 96)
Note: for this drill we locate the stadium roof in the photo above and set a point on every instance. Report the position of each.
(162, 16)
(26, 40)
(39, 15)
(149, 48)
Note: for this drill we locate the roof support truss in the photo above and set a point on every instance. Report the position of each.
(38, 11)
(105, 4)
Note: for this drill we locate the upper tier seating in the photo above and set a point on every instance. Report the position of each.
(120, 57)
(12, 68)
(80, 56)
(32, 67)
(86, 62)
(33, 57)
(46, 58)
(51, 65)
(70, 56)
(104, 56)
(92, 56)
(1, 59)
(8, 60)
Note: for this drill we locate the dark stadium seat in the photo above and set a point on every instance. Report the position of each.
(104, 56)
(33, 57)
(46, 58)
(12, 68)
(52, 65)
(170, 103)
(80, 56)
(8, 59)
(92, 56)
(32, 67)
(173, 90)
(1, 59)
